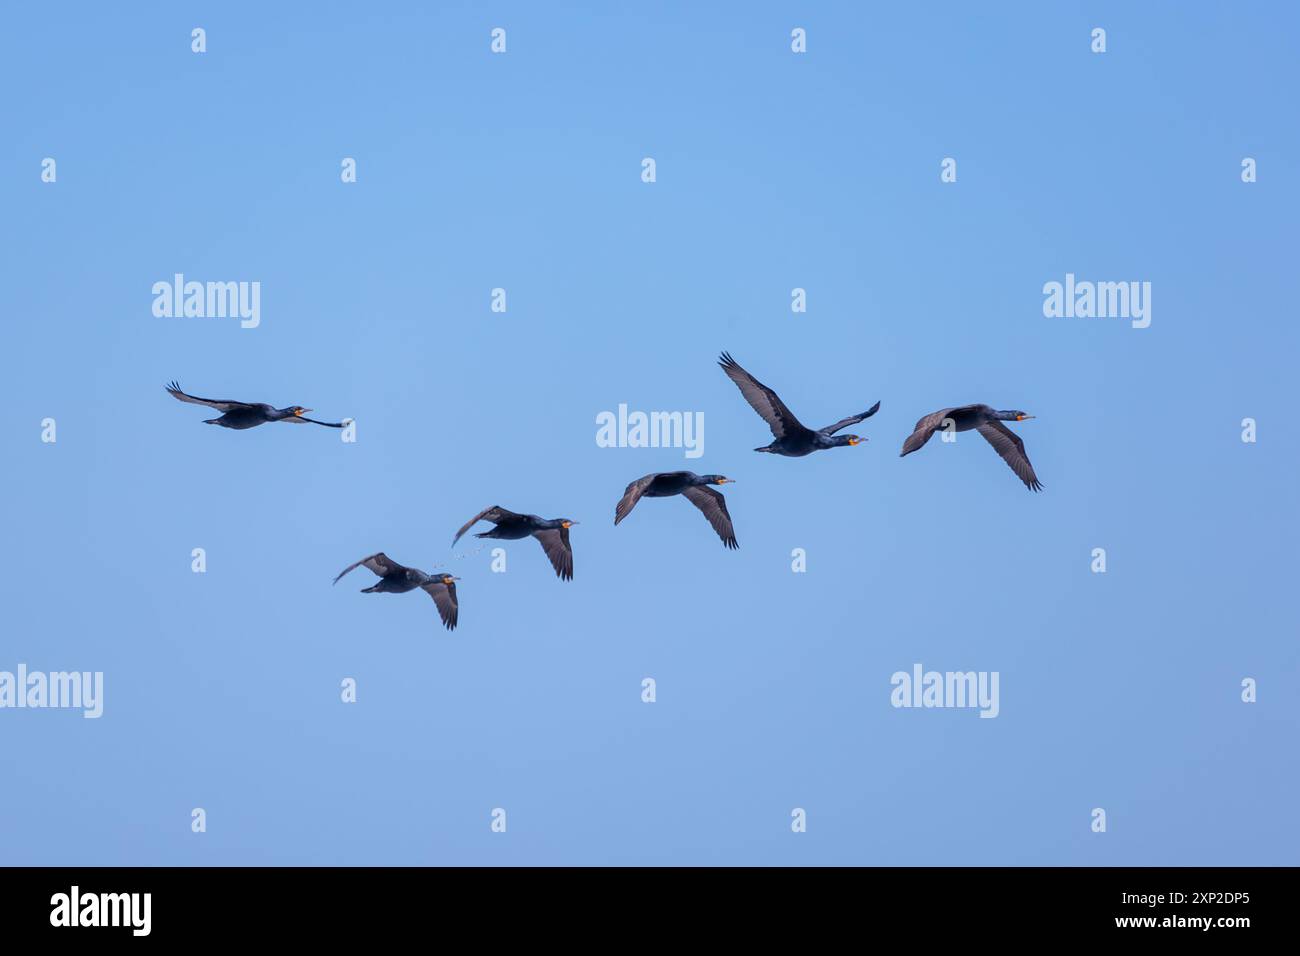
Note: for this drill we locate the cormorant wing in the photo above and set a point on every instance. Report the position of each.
(444, 595)
(851, 420)
(925, 427)
(496, 514)
(380, 563)
(714, 507)
(1008, 444)
(221, 405)
(555, 542)
(762, 399)
(298, 419)
(631, 495)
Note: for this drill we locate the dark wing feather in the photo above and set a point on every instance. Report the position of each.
(762, 399)
(495, 514)
(714, 507)
(631, 495)
(299, 418)
(555, 542)
(1008, 444)
(444, 595)
(380, 563)
(926, 426)
(220, 404)
(851, 420)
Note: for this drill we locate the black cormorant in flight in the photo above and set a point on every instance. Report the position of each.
(989, 423)
(553, 533)
(395, 578)
(793, 439)
(247, 414)
(694, 487)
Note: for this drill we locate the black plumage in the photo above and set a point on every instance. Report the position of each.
(241, 415)
(695, 489)
(988, 422)
(793, 439)
(552, 533)
(397, 578)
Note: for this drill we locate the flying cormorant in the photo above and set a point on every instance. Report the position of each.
(553, 533)
(694, 487)
(396, 578)
(247, 414)
(989, 423)
(793, 439)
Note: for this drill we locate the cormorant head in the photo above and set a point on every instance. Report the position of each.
(717, 479)
(1019, 416)
(567, 522)
(447, 578)
(297, 411)
(853, 439)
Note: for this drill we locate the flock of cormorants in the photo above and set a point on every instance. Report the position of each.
(790, 438)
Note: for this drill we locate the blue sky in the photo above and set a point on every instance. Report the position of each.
(774, 171)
